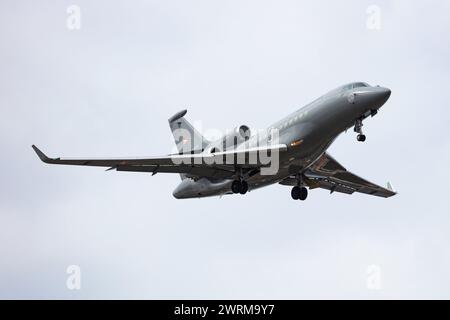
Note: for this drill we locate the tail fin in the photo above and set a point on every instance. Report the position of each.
(187, 138)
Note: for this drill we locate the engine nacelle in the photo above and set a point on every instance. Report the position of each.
(237, 136)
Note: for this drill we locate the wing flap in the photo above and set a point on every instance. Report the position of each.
(189, 170)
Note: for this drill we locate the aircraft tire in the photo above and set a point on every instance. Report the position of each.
(303, 193)
(295, 193)
(244, 187)
(236, 186)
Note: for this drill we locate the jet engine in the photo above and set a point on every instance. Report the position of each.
(237, 136)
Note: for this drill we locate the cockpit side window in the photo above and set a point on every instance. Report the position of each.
(347, 87)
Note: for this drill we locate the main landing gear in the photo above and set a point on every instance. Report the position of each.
(299, 193)
(358, 129)
(239, 186)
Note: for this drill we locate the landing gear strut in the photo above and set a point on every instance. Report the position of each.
(358, 129)
(239, 186)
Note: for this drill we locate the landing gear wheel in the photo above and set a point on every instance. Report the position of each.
(303, 193)
(361, 137)
(244, 187)
(295, 193)
(236, 186)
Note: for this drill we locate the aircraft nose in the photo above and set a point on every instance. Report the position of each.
(381, 95)
(386, 92)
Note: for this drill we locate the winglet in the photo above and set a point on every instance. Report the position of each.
(389, 187)
(40, 154)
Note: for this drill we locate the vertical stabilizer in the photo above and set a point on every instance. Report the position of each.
(187, 138)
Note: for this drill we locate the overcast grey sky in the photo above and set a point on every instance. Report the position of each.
(108, 88)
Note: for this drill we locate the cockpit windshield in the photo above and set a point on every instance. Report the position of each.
(354, 85)
(349, 86)
(360, 85)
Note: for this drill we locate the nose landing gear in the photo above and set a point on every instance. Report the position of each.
(358, 129)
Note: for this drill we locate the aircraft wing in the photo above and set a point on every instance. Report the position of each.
(200, 164)
(329, 174)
